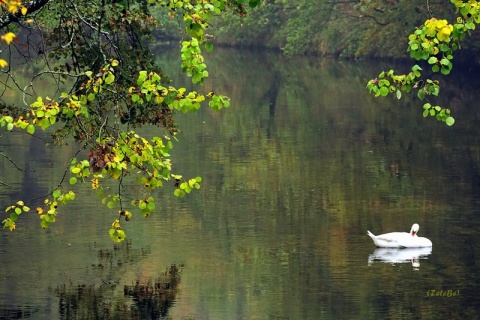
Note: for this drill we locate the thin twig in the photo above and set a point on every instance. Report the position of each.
(13, 162)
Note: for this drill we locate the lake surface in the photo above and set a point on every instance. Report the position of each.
(294, 174)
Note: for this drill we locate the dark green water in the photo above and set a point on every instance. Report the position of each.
(294, 174)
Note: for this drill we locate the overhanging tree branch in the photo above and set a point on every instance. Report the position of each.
(97, 55)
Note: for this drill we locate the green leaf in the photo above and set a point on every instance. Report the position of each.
(253, 3)
(416, 68)
(445, 62)
(399, 94)
(151, 206)
(141, 77)
(179, 193)
(209, 46)
(421, 94)
(197, 78)
(383, 91)
(73, 180)
(57, 193)
(470, 25)
(31, 129)
(450, 121)
(383, 83)
(110, 78)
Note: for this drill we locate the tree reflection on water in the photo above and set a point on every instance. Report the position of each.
(145, 299)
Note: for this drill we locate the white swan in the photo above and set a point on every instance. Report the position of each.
(401, 239)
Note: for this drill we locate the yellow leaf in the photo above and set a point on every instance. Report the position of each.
(3, 63)
(447, 30)
(12, 7)
(24, 11)
(8, 37)
(441, 23)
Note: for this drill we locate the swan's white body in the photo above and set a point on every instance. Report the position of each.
(401, 239)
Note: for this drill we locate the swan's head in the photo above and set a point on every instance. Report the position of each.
(414, 230)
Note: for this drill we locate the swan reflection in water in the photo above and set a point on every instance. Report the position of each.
(394, 256)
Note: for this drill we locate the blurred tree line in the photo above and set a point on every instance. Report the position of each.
(340, 28)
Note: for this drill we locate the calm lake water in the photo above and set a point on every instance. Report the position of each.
(294, 174)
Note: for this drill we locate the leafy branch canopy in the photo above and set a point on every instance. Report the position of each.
(99, 51)
(434, 42)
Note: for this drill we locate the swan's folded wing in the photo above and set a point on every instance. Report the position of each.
(387, 240)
